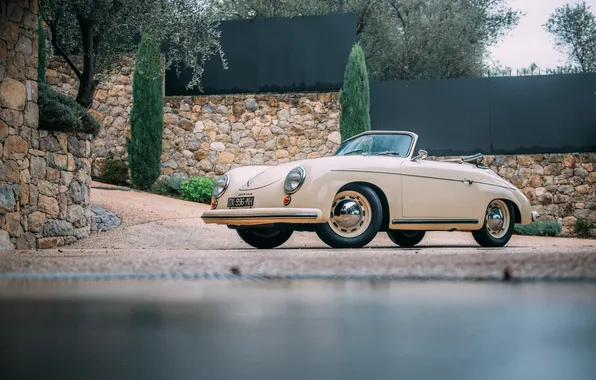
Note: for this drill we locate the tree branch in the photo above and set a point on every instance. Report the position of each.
(362, 18)
(403, 22)
(52, 25)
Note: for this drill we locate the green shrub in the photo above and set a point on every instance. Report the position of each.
(146, 117)
(174, 181)
(114, 172)
(197, 189)
(539, 228)
(354, 96)
(162, 187)
(583, 226)
(58, 112)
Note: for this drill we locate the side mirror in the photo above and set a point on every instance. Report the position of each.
(422, 154)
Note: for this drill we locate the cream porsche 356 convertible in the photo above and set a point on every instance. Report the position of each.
(374, 182)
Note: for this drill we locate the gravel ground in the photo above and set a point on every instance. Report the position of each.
(163, 235)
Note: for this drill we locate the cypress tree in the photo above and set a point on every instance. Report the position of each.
(41, 56)
(146, 116)
(354, 96)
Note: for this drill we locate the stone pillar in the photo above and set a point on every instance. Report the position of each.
(18, 116)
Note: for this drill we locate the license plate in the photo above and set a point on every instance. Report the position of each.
(241, 202)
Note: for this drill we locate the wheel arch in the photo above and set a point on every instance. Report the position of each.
(516, 211)
(382, 197)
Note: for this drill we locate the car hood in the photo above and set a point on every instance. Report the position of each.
(271, 174)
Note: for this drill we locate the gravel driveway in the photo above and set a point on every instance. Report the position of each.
(159, 234)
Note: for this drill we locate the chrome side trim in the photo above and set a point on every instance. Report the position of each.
(434, 221)
(419, 176)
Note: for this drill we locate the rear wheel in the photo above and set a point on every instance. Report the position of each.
(499, 222)
(264, 239)
(405, 238)
(355, 220)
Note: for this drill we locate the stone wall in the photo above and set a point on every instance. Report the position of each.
(208, 135)
(44, 181)
(57, 211)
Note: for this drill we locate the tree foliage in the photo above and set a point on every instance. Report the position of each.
(146, 116)
(58, 112)
(574, 30)
(41, 55)
(99, 31)
(406, 39)
(354, 96)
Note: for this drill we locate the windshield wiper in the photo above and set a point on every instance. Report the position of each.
(352, 151)
(389, 153)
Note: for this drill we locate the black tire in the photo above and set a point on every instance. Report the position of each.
(375, 217)
(405, 238)
(485, 238)
(264, 239)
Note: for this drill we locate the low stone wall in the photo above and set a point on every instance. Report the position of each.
(52, 205)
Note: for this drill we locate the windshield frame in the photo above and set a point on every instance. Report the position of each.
(410, 153)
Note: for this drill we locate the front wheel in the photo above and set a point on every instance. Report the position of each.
(499, 222)
(264, 239)
(355, 220)
(405, 238)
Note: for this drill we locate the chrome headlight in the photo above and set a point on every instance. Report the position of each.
(294, 179)
(221, 184)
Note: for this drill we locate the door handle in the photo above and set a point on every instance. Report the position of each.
(468, 181)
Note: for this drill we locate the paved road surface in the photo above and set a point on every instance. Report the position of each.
(445, 263)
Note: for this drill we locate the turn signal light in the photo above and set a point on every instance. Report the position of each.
(287, 200)
(213, 204)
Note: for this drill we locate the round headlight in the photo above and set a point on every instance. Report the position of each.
(221, 184)
(294, 179)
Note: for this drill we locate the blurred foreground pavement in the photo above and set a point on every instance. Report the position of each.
(304, 329)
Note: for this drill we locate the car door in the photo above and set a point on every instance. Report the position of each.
(437, 190)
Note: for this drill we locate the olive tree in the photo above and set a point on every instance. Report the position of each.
(574, 30)
(91, 34)
(406, 39)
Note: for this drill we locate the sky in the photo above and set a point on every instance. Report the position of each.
(529, 42)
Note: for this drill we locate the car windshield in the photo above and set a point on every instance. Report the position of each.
(397, 145)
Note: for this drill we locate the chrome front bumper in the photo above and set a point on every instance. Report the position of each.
(255, 216)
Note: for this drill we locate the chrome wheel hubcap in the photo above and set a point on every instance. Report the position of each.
(350, 214)
(347, 213)
(497, 219)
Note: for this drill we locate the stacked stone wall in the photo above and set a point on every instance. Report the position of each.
(44, 180)
(208, 135)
